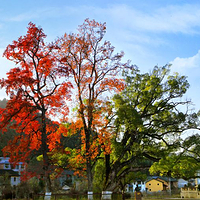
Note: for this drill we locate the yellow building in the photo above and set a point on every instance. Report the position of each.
(155, 185)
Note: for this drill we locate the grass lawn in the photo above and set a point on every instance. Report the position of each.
(154, 196)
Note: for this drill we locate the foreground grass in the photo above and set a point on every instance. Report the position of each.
(97, 196)
(143, 198)
(118, 198)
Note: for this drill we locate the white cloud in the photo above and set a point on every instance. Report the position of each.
(173, 19)
(31, 14)
(184, 64)
(5, 66)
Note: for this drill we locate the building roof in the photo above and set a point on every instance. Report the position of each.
(4, 160)
(153, 179)
(164, 178)
(10, 172)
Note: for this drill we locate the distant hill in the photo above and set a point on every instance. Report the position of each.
(3, 103)
(9, 135)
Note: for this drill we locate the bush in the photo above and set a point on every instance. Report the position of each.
(7, 193)
(127, 195)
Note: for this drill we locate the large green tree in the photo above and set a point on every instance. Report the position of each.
(149, 116)
(184, 161)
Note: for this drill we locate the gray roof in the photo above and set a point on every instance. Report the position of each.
(10, 172)
(164, 178)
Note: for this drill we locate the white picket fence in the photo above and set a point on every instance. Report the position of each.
(190, 193)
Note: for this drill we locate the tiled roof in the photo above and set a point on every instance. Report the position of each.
(8, 171)
(161, 178)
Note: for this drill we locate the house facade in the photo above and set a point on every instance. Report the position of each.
(197, 180)
(131, 187)
(155, 185)
(10, 171)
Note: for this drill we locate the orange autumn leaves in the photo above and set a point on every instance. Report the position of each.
(35, 92)
(42, 83)
(94, 73)
(100, 141)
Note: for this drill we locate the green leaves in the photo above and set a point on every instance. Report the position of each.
(149, 120)
(178, 85)
(182, 163)
(150, 102)
(177, 166)
(126, 113)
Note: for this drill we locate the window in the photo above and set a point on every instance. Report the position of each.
(15, 179)
(158, 184)
(6, 166)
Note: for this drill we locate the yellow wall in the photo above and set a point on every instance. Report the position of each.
(154, 186)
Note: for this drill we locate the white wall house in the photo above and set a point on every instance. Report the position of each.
(131, 187)
(179, 183)
(197, 180)
(13, 172)
(182, 183)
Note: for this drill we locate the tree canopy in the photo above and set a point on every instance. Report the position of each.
(120, 136)
(94, 68)
(148, 119)
(35, 94)
(183, 161)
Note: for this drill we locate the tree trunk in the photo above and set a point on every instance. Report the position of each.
(88, 160)
(110, 185)
(89, 175)
(45, 155)
(111, 174)
(123, 195)
(107, 160)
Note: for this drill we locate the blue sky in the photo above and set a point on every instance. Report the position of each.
(150, 32)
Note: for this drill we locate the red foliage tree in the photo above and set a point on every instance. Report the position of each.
(36, 94)
(94, 68)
